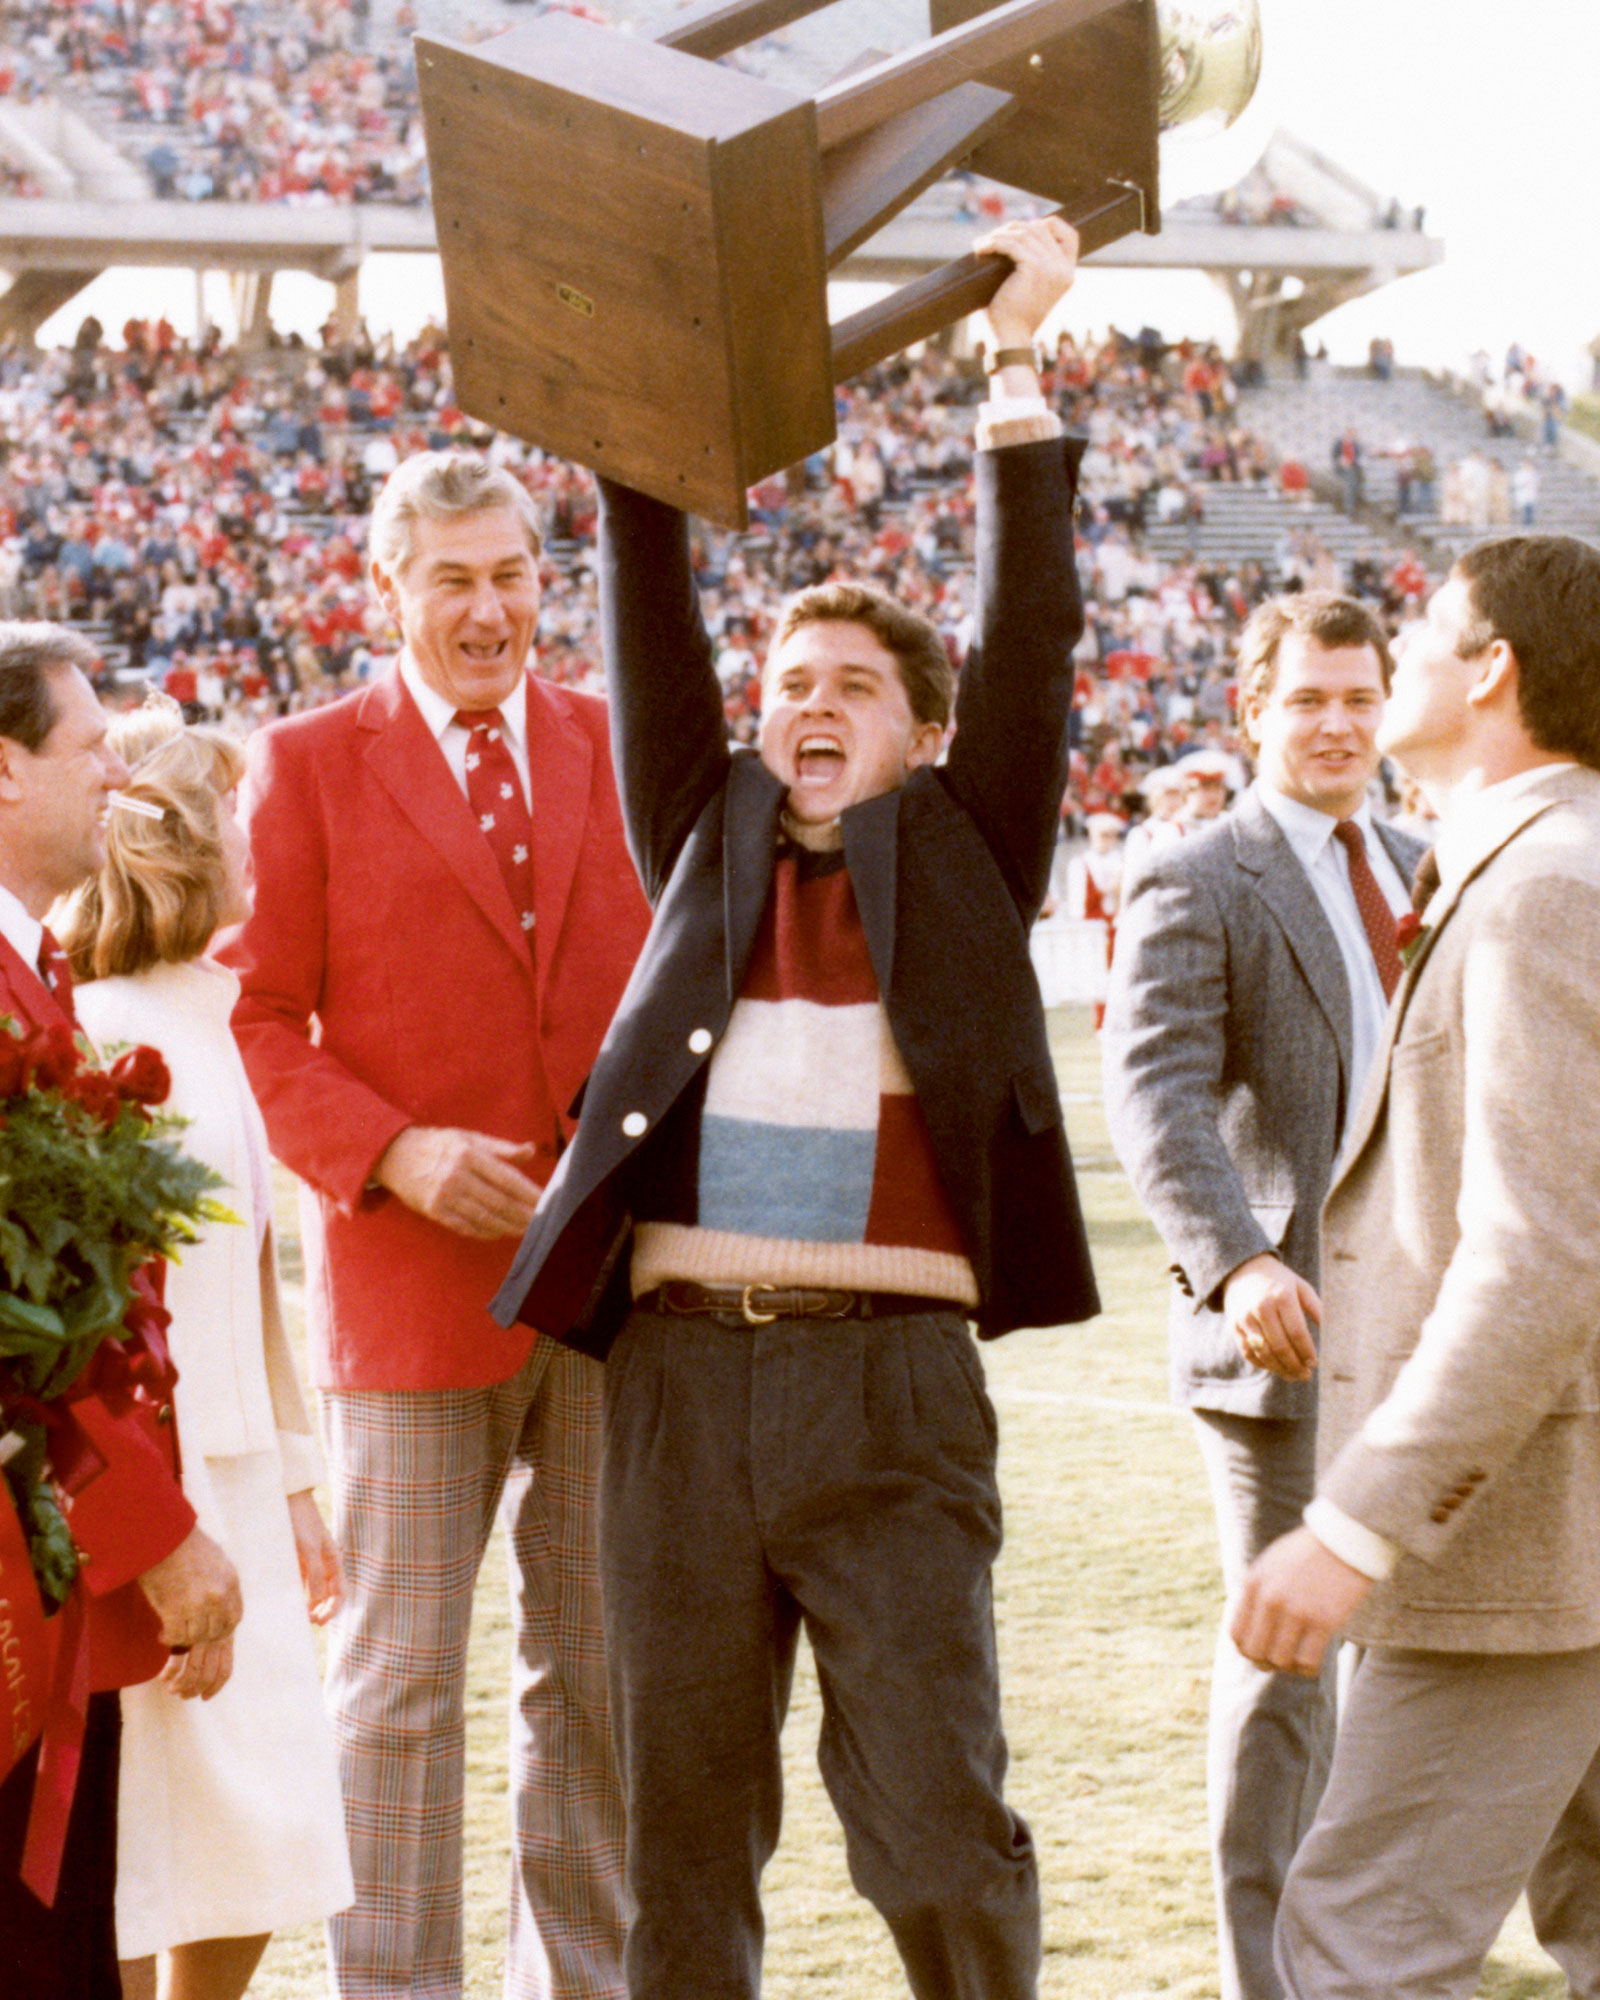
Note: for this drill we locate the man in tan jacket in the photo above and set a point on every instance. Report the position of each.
(1455, 1534)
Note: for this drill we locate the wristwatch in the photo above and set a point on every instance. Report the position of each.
(1010, 357)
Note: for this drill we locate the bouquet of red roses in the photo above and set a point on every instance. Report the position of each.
(92, 1186)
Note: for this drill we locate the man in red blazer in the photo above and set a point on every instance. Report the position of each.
(150, 1580)
(445, 918)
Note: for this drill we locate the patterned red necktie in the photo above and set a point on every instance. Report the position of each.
(1376, 914)
(56, 973)
(495, 794)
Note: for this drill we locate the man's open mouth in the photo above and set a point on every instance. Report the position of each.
(818, 758)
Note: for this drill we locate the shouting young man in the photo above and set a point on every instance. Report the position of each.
(823, 1134)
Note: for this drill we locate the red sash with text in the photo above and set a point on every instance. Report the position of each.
(24, 1645)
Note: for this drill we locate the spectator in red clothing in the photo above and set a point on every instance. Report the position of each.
(1408, 580)
(1205, 788)
(181, 680)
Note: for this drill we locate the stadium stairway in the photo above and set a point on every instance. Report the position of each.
(1303, 419)
(1250, 523)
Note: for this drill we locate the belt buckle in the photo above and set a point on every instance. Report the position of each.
(752, 1316)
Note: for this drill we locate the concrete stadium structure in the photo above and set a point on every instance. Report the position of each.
(97, 212)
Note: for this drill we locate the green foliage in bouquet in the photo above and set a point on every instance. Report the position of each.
(51, 1549)
(92, 1184)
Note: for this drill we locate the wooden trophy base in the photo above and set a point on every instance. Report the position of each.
(633, 257)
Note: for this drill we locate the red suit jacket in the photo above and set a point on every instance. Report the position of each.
(387, 982)
(131, 1512)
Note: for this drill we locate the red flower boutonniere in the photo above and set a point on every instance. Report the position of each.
(1408, 933)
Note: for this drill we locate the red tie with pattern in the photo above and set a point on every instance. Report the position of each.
(495, 794)
(56, 973)
(1376, 914)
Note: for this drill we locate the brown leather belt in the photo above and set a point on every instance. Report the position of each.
(759, 1305)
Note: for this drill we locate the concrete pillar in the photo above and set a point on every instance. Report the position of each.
(1237, 290)
(1269, 320)
(35, 296)
(252, 305)
(1324, 292)
(347, 304)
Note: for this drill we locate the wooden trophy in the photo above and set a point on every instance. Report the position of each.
(636, 240)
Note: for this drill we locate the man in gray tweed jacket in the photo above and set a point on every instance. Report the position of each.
(1252, 973)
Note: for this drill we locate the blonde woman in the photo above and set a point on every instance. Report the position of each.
(229, 1819)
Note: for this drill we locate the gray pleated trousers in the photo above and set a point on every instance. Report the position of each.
(839, 1474)
(1270, 1735)
(1458, 1780)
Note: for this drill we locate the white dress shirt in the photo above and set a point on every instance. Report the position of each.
(438, 712)
(1473, 826)
(1327, 866)
(24, 933)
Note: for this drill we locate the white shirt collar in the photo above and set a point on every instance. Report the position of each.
(1480, 823)
(1307, 830)
(22, 931)
(438, 711)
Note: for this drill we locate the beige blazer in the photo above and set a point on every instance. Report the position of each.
(238, 1390)
(1460, 1414)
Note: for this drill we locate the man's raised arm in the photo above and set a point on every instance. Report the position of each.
(1008, 760)
(668, 731)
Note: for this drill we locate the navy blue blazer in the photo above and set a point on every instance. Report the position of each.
(949, 873)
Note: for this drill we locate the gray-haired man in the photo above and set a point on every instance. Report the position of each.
(445, 918)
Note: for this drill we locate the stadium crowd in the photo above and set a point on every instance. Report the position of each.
(232, 102)
(203, 512)
(1518, 388)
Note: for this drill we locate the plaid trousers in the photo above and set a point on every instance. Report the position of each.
(416, 1479)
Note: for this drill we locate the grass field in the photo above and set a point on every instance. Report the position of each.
(1107, 1598)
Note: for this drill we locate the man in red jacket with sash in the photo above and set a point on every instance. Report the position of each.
(152, 1587)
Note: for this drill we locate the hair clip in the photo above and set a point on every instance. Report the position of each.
(142, 807)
